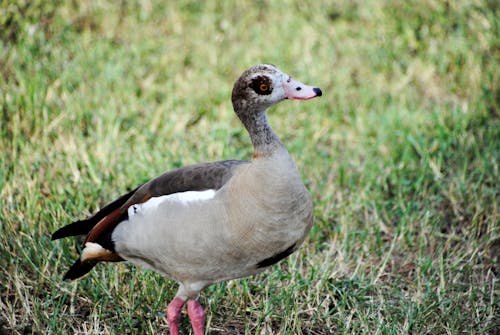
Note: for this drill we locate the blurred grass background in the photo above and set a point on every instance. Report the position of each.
(401, 156)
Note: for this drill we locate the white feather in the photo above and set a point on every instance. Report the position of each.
(182, 198)
(91, 250)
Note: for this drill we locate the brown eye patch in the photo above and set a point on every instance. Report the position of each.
(261, 85)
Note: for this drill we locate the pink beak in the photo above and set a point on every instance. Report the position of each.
(296, 90)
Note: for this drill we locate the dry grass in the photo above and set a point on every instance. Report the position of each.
(401, 155)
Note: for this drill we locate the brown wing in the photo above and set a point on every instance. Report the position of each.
(82, 227)
(197, 177)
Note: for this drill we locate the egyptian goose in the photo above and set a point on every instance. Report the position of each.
(210, 222)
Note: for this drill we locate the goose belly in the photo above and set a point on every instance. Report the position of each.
(208, 239)
(171, 234)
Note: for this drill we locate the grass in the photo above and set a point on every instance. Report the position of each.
(401, 155)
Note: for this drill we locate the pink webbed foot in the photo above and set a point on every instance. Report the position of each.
(197, 316)
(174, 315)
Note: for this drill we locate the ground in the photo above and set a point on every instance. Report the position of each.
(401, 155)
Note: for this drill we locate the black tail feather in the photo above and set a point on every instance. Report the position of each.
(76, 228)
(84, 226)
(79, 269)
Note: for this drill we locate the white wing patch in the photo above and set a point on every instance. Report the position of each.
(181, 198)
(92, 250)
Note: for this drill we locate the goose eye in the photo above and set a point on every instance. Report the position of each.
(261, 85)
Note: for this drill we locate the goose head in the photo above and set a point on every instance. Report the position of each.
(264, 85)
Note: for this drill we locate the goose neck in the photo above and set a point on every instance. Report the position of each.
(265, 141)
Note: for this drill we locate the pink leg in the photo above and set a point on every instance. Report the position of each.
(174, 315)
(197, 317)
